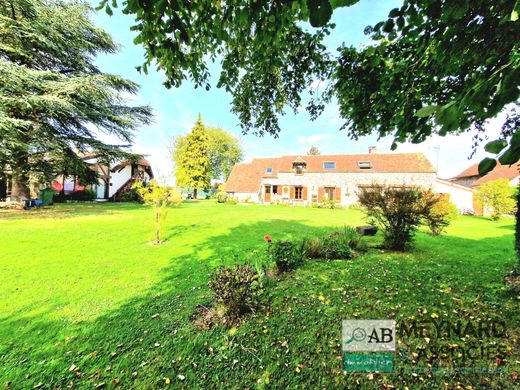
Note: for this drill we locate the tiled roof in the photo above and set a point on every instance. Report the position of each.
(468, 172)
(247, 177)
(499, 172)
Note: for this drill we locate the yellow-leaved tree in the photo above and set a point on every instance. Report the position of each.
(160, 198)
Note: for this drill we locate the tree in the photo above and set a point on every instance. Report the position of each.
(52, 95)
(313, 151)
(192, 159)
(159, 198)
(433, 66)
(224, 151)
(498, 196)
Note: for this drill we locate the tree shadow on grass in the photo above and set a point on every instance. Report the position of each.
(150, 340)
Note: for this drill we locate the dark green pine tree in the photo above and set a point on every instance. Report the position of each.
(193, 160)
(54, 101)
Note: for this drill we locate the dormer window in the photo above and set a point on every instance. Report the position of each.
(365, 165)
(299, 167)
(269, 170)
(329, 166)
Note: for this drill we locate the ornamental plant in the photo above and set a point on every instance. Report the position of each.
(441, 213)
(398, 210)
(287, 255)
(159, 198)
(237, 289)
(498, 197)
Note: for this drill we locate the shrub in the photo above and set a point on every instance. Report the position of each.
(336, 246)
(84, 195)
(440, 214)
(287, 255)
(222, 197)
(497, 195)
(131, 196)
(238, 289)
(159, 197)
(232, 201)
(398, 210)
(314, 248)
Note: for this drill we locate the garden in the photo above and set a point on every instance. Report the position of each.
(88, 302)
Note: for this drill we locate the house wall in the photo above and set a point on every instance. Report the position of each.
(241, 196)
(466, 181)
(347, 182)
(461, 197)
(117, 179)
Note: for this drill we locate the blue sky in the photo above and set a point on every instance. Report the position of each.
(176, 109)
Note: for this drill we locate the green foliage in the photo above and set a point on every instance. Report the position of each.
(52, 94)
(497, 195)
(398, 210)
(224, 151)
(337, 245)
(441, 213)
(159, 198)
(84, 195)
(132, 195)
(314, 248)
(238, 289)
(517, 227)
(232, 201)
(192, 158)
(287, 255)
(222, 197)
(433, 66)
(436, 67)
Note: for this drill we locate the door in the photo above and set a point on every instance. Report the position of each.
(267, 193)
(100, 190)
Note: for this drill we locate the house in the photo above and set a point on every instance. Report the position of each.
(470, 178)
(310, 179)
(115, 179)
(460, 195)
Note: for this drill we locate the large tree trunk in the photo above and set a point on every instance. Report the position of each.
(195, 193)
(20, 188)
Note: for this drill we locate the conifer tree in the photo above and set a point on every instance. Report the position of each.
(193, 160)
(54, 101)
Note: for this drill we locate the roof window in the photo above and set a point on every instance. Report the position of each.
(269, 170)
(330, 165)
(365, 165)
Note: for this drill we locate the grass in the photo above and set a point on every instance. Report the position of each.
(85, 302)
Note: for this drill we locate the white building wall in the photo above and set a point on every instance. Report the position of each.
(117, 179)
(242, 196)
(347, 182)
(460, 196)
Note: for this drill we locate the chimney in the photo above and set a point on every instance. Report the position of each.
(372, 150)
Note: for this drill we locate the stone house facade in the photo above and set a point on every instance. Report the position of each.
(302, 180)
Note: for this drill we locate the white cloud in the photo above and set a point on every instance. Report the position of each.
(313, 138)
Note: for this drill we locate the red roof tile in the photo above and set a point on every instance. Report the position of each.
(248, 177)
(508, 172)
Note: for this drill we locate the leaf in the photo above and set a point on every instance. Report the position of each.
(427, 111)
(320, 12)
(496, 146)
(342, 3)
(509, 157)
(486, 165)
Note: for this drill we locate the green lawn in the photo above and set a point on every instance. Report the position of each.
(80, 288)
